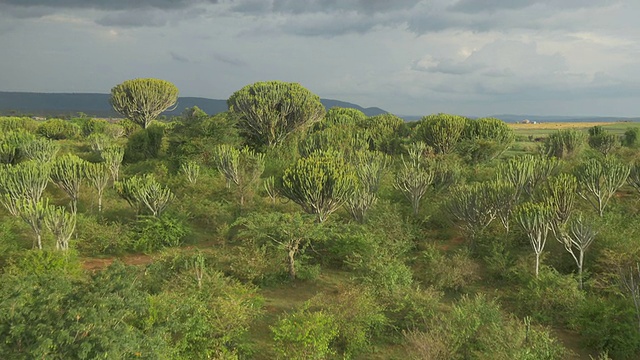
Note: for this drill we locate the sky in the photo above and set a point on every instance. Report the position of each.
(408, 57)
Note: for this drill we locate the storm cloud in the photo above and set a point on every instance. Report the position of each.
(408, 56)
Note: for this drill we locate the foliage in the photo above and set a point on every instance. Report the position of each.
(344, 139)
(448, 272)
(289, 233)
(271, 111)
(551, 298)
(305, 334)
(320, 183)
(154, 233)
(472, 206)
(601, 140)
(145, 191)
(385, 132)
(68, 172)
(598, 181)
(11, 145)
(61, 224)
(144, 144)
(485, 139)
(41, 150)
(631, 137)
(475, 328)
(242, 168)
(113, 157)
(526, 173)
(560, 194)
(564, 143)
(98, 176)
(415, 176)
(26, 180)
(536, 221)
(604, 325)
(358, 318)
(58, 129)
(102, 238)
(12, 123)
(191, 170)
(142, 100)
(442, 132)
(340, 116)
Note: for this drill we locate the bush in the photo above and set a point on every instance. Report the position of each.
(144, 144)
(44, 262)
(155, 233)
(101, 238)
(256, 264)
(358, 317)
(608, 325)
(93, 126)
(58, 129)
(631, 137)
(453, 272)
(10, 123)
(476, 328)
(552, 298)
(564, 143)
(305, 334)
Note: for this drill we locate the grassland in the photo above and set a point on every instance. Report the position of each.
(544, 129)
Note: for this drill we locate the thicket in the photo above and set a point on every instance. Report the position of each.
(318, 235)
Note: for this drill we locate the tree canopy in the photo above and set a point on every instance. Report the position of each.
(142, 100)
(270, 111)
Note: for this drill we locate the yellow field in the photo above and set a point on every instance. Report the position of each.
(558, 125)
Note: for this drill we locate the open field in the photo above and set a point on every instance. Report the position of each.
(543, 129)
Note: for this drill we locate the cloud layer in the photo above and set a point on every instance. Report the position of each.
(407, 56)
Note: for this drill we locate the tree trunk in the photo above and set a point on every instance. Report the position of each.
(580, 268)
(292, 264)
(537, 264)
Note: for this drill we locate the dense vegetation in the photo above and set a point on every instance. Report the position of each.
(281, 230)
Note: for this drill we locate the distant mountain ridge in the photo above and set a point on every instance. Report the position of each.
(93, 104)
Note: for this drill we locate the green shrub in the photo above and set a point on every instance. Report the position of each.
(11, 123)
(476, 328)
(256, 264)
(93, 126)
(155, 233)
(631, 137)
(358, 317)
(44, 262)
(552, 298)
(144, 144)
(101, 237)
(564, 143)
(610, 325)
(305, 334)
(453, 272)
(58, 129)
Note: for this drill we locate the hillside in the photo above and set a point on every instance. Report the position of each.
(53, 104)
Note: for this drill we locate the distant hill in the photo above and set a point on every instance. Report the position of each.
(58, 104)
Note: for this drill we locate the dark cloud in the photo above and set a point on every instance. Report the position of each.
(474, 6)
(488, 6)
(179, 58)
(133, 19)
(255, 7)
(105, 4)
(226, 59)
